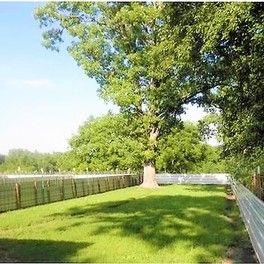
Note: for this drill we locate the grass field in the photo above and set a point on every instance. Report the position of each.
(174, 223)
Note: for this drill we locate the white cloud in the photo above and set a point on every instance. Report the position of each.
(32, 83)
(38, 83)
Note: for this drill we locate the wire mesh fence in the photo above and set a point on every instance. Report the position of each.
(16, 193)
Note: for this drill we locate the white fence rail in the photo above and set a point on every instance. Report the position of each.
(54, 176)
(252, 212)
(211, 178)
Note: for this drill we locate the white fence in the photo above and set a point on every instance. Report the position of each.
(252, 212)
(215, 178)
(251, 207)
(54, 176)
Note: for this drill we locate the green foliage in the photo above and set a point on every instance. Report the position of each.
(233, 47)
(105, 144)
(140, 53)
(24, 161)
(213, 161)
(67, 162)
(184, 151)
(210, 126)
(153, 58)
(245, 165)
(2, 159)
(108, 144)
(181, 150)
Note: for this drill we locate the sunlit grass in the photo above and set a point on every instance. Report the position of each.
(171, 224)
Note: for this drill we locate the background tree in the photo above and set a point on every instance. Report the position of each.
(24, 161)
(105, 144)
(181, 150)
(185, 150)
(229, 37)
(2, 158)
(68, 162)
(233, 47)
(142, 56)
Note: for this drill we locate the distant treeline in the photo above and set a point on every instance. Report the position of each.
(105, 144)
(24, 161)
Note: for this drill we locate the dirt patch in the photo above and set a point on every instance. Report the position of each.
(4, 258)
(230, 197)
(240, 254)
(240, 250)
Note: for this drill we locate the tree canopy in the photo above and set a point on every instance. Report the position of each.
(141, 54)
(105, 144)
(153, 58)
(233, 35)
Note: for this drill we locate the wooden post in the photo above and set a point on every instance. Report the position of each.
(259, 185)
(124, 181)
(43, 191)
(48, 190)
(118, 185)
(114, 183)
(18, 195)
(99, 187)
(255, 182)
(83, 189)
(62, 189)
(36, 192)
(74, 188)
(88, 186)
(92, 181)
(108, 184)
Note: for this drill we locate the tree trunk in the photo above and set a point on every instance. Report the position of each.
(149, 177)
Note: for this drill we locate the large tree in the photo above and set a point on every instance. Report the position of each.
(141, 54)
(232, 43)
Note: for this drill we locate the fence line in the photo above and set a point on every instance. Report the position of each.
(210, 178)
(250, 206)
(56, 175)
(29, 191)
(16, 193)
(252, 212)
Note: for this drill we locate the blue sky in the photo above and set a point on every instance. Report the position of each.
(44, 96)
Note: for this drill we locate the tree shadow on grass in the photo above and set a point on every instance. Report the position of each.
(24, 250)
(164, 221)
(205, 188)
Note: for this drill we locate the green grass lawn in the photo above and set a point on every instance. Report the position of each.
(174, 223)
